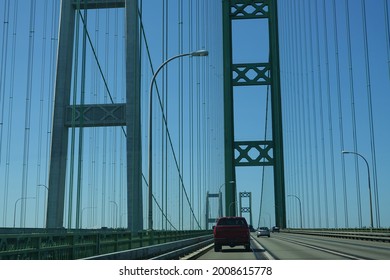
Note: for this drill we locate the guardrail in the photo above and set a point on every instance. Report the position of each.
(381, 235)
(68, 245)
(165, 251)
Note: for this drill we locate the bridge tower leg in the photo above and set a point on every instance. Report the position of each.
(237, 153)
(127, 114)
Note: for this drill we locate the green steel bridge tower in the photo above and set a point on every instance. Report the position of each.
(267, 73)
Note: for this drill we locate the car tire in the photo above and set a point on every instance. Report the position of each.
(247, 247)
(217, 248)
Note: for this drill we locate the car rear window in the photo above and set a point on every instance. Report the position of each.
(232, 222)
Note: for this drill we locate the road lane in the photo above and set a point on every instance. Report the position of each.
(236, 253)
(286, 246)
(304, 247)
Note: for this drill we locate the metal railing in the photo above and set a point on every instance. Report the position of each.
(382, 235)
(69, 245)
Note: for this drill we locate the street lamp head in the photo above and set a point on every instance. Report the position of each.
(200, 53)
(344, 152)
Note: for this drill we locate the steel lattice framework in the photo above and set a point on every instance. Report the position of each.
(253, 74)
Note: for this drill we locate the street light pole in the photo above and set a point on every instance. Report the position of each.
(369, 182)
(270, 223)
(220, 196)
(15, 206)
(45, 204)
(82, 211)
(116, 212)
(300, 206)
(150, 174)
(230, 205)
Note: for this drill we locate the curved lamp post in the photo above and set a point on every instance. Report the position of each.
(231, 204)
(82, 211)
(369, 182)
(15, 206)
(220, 196)
(300, 206)
(45, 204)
(116, 212)
(150, 191)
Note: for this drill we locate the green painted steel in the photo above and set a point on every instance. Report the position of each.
(68, 245)
(246, 209)
(265, 74)
(211, 220)
(129, 114)
(277, 131)
(230, 174)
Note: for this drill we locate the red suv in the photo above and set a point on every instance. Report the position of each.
(231, 231)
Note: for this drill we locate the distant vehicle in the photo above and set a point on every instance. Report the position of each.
(231, 231)
(263, 231)
(275, 229)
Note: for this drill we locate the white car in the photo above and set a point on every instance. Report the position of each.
(263, 231)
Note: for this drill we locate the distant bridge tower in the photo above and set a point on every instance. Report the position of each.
(257, 73)
(211, 220)
(246, 209)
(66, 116)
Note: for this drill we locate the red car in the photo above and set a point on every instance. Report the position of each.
(231, 231)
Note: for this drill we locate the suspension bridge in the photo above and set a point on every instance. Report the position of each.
(144, 121)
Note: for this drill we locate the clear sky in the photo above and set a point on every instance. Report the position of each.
(312, 87)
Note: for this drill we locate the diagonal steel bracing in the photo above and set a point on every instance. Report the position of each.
(260, 73)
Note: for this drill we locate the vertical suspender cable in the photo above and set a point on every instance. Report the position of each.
(353, 112)
(314, 102)
(287, 92)
(41, 100)
(3, 69)
(191, 109)
(105, 132)
(301, 90)
(331, 151)
(340, 109)
(10, 116)
(293, 119)
(206, 92)
(370, 112)
(181, 92)
(122, 153)
(164, 81)
(309, 126)
(387, 24)
(206, 130)
(118, 210)
(164, 185)
(298, 111)
(30, 66)
(321, 118)
(197, 77)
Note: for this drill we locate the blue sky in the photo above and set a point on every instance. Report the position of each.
(198, 24)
